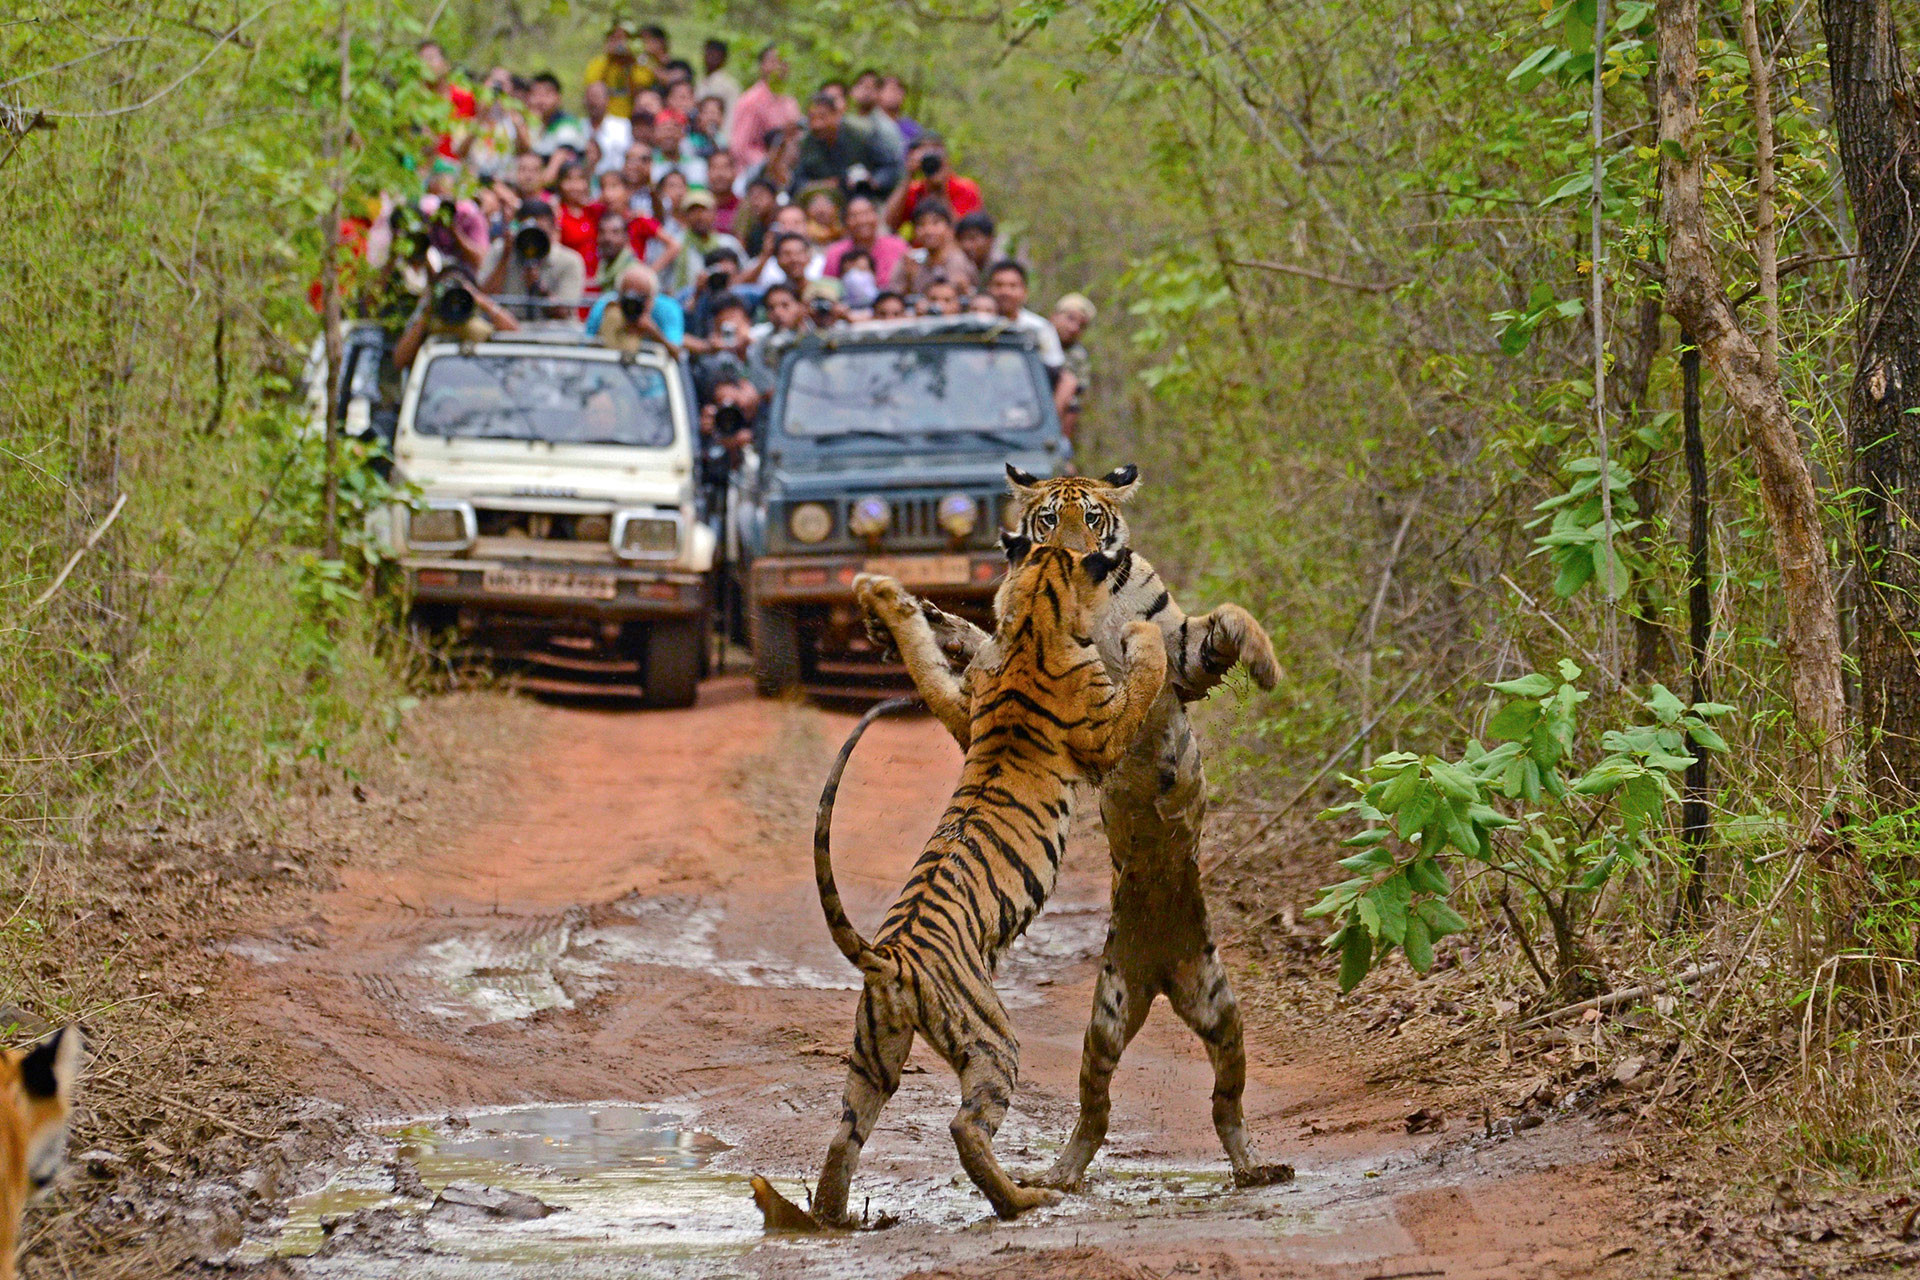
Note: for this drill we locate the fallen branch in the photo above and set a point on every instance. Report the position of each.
(1307, 273)
(74, 559)
(1614, 999)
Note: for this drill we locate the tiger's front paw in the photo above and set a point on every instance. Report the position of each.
(1251, 646)
(884, 599)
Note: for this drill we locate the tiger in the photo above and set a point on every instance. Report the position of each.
(1044, 714)
(36, 1096)
(1153, 805)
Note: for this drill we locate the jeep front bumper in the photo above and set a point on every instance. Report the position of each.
(828, 579)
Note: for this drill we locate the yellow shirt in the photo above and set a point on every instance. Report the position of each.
(622, 80)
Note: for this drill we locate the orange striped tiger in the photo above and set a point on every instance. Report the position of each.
(36, 1094)
(1043, 716)
(1152, 804)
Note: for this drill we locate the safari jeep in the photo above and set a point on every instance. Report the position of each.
(555, 524)
(884, 450)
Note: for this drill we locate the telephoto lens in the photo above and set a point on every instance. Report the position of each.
(633, 307)
(531, 241)
(452, 302)
(930, 163)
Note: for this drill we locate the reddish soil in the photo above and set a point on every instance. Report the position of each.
(632, 917)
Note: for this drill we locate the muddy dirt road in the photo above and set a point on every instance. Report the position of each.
(611, 990)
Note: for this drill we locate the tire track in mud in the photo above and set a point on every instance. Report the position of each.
(633, 921)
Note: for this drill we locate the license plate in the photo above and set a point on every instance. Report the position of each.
(923, 571)
(547, 582)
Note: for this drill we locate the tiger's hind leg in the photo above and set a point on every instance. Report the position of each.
(1203, 997)
(989, 1068)
(881, 1042)
(1119, 1011)
(1206, 647)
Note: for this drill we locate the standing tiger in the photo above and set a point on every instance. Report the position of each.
(1153, 805)
(36, 1094)
(1044, 715)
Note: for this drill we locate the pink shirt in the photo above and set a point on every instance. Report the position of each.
(887, 252)
(756, 110)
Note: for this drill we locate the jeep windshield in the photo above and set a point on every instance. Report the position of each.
(911, 392)
(558, 399)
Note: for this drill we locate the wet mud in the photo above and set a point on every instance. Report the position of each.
(575, 1025)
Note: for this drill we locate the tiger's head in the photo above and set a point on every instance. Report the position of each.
(1076, 512)
(36, 1096)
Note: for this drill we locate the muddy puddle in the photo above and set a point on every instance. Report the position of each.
(606, 1189)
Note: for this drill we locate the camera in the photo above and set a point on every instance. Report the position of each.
(717, 280)
(729, 331)
(531, 241)
(822, 311)
(931, 163)
(728, 419)
(633, 307)
(453, 303)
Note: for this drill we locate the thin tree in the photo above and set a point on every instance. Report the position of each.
(1698, 300)
(1877, 118)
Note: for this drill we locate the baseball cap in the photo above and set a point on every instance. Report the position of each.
(698, 196)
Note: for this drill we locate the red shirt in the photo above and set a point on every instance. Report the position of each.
(963, 197)
(640, 230)
(580, 232)
(725, 209)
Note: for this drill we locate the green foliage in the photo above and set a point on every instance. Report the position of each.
(1568, 829)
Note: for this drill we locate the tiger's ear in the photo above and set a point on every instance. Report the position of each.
(1020, 482)
(1016, 546)
(1122, 480)
(1097, 565)
(48, 1069)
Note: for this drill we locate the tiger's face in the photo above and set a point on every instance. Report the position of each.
(36, 1096)
(1076, 512)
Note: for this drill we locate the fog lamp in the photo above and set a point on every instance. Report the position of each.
(869, 517)
(647, 537)
(958, 514)
(810, 522)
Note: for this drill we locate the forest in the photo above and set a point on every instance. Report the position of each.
(1541, 374)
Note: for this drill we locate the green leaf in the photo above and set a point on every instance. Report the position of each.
(1664, 705)
(1374, 859)
(1425, 876)
(1416, 813)
(1454, 783)
(1401, 789)
(1356, 957)
(1441, 919)
(1371, 836)
(1531, 686)
(1673, 150)
(1705, 736)
(1531, 64)
(1418, 945)
(1390, 900)
(1515, 721)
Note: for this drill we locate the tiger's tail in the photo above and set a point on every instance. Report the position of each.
(854, 947)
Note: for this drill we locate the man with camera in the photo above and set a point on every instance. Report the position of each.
(849, 158)
(638, 313)
(530, 264)
(451, 307)
(716, 289)
(865, 232)
(932, 178)
(701, 240)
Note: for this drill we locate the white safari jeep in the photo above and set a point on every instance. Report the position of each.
(556, 526)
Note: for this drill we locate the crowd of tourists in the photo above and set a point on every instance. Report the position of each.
(717, 215)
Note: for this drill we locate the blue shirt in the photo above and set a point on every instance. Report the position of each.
(667, 317)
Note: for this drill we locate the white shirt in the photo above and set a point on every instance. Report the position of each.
(1051, 353)
(771, 274)
(615, 136)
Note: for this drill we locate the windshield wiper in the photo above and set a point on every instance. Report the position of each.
(863, 433)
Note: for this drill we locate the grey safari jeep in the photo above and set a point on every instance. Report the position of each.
(884, 450)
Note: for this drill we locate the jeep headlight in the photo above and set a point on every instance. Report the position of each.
(440, 528)
(869, 517)
(958, 514)
(646, 535)
(810, 522)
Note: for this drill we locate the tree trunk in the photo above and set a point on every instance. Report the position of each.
(1696, 298)
(1878, 123)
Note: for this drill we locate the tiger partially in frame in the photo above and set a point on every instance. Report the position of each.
(1153, 805)
(1044, 716)
(36, 1097)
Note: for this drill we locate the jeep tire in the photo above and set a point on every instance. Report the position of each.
(675, 651)
(774, 634)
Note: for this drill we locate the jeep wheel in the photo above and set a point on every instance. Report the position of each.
(670, 673)
(775, 637)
